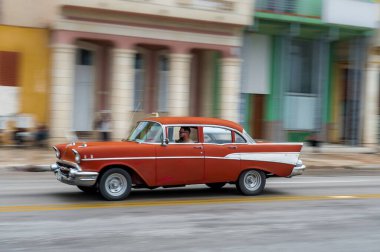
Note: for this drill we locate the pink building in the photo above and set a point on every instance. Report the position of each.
(131, 58)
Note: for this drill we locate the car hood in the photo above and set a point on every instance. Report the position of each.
(95, 150)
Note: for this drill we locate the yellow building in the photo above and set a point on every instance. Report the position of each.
(24, 72)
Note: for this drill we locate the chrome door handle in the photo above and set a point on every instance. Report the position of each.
(198, 147)
(232, 147)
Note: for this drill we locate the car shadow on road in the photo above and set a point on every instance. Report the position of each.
(76, 197)
(182, 193)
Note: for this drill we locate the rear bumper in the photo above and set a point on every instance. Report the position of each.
(298, 169)
(72, 176)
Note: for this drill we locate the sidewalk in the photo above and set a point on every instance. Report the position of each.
(328, 157)
(26, 159)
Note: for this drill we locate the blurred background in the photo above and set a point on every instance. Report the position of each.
(287, 70)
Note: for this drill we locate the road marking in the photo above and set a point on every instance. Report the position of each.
(343, 197)
(156, 203)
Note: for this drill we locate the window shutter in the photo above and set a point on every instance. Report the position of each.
(9, 64)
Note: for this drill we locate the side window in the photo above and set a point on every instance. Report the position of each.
(239, 138)
(182, 134)
(217, 135)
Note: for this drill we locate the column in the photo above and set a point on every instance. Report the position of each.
(122, 92)
(206, 84)
(370, 110)
(179, 85)
(63, 70)
(230, 89)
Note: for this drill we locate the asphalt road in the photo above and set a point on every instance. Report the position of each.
(323, 210)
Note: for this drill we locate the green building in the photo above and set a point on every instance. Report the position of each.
(304, 68)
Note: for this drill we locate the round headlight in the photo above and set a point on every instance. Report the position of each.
(77, 156)
(57, 152)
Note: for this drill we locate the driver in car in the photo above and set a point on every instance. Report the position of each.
(184, 135)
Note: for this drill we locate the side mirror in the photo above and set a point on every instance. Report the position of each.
(165, 142)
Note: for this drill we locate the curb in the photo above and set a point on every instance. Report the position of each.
(364, 167)
(350, 167)
(28, 168)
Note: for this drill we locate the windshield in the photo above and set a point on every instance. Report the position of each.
(147, 132)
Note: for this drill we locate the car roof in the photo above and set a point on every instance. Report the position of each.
(196, 121)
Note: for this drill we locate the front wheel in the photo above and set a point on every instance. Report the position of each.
(251, 182)
(115, 184)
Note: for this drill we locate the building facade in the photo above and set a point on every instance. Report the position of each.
(132, 58)
(287, 70)
(73, 61)
(24, 66)
(305, 71)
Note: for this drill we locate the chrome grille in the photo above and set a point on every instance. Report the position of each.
(65, 168)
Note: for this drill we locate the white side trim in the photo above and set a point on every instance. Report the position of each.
(277, 157)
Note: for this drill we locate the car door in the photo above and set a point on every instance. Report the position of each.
(180, 163)
(220, 162)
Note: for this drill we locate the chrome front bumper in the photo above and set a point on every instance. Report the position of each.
(298, 169)
(72, 176)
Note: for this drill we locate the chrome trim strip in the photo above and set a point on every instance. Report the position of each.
(57, 152)
(173, 143)
(77, 178)
(221, 144)
(275, 157)
(244, 134)
(77, 156)
(209, 157)
(298, 170)
(134, 158)
(199, 125)
(210, 125)
(117, 158)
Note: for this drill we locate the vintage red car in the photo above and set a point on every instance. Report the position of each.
(176, 151)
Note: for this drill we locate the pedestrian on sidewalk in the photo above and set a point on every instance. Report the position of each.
(314, 142)
(103, 125)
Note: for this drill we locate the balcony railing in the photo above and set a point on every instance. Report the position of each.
(277, 6)
(306, 8)
(211, 5)
(226, 11)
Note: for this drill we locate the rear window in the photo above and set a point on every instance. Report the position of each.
(239, 138)
(217, 135)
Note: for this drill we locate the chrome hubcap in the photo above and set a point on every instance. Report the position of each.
(116, 184)
(252, 180)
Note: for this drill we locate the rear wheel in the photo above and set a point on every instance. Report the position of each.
(115, 184)
(216, 186)
(251, 182)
